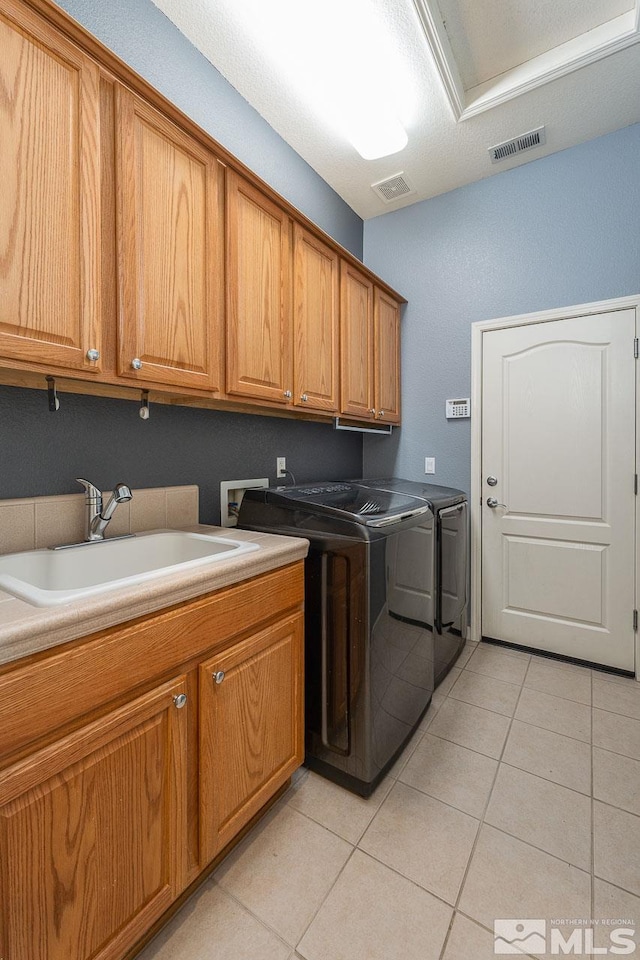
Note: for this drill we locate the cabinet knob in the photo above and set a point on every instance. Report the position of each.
(304, 397)
(380, 414)
(287, 394)
(180, 700)
(372, 411)
(218, 676)
(136, 363)
(93, 355)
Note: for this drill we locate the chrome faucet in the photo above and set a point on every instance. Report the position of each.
(97, 520)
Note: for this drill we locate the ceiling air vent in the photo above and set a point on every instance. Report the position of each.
(393, 188)
(527, 141)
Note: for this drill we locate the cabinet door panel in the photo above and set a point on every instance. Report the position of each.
(316, 319)
(356, 343)
(258, 294)
(93, 834)
(251, 727)
(50, 202)
(169, 193)
(387, 357)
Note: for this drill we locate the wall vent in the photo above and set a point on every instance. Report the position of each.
(393, 188)
(527, 141)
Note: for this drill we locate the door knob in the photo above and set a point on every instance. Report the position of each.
(93, 355)
(492, 481)
(287, 394)
(493, 503)
(304, 397)
(218, 676)
(136, 363)
(180, 700)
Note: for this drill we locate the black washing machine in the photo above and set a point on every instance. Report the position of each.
(432, 569)
(369, 670)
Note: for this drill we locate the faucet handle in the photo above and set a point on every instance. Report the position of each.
(92, 491)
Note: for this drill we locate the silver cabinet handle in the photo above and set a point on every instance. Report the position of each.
(493, 503)
(492, 481)
(93, 355)
(136, 363)
(219, 676)
(372, 411)
(288, 394)
(380, 414)
(180, 700)
(304, 397)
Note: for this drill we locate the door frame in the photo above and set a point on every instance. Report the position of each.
(478, 329)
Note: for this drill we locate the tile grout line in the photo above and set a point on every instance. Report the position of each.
(481, 821)
(281, 804)
(355, 848)
(324, 899)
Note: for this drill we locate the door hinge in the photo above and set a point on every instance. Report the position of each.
(636, 348)
(635, 620)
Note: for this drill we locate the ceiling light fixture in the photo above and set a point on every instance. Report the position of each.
(338, 57)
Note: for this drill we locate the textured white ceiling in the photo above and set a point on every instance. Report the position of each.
(441, 154)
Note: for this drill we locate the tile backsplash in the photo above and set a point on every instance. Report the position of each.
(48, 521)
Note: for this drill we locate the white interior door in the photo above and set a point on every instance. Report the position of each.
(558, 435)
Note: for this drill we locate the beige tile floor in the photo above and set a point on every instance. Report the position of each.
(519, 797)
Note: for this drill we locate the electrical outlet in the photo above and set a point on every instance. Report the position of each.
(281, 467)
(429, 464)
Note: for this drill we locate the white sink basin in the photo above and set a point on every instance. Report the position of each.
(47, 578)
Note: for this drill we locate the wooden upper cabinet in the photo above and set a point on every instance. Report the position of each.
(50, 195)
(93, 834)
(169, 196)
(258, 295)
(316, 307)
(356, 343)
(251, 729)
(386, 313)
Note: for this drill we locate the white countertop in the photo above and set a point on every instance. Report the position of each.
(26, 629)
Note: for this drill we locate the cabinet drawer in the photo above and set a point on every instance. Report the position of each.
(73, 680)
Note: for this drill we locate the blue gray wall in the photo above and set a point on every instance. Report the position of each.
(106, 441)
(557, 231)
(41, 453)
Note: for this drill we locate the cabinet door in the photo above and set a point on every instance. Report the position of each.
(50, 196)
(258, 295)
(251, 729)
(387, 357)
(356, 343)
(93, 834)
(315, 319)
(169, 192)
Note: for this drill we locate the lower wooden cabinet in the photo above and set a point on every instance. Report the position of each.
(251, 731)
(97, 821)
(92, 833)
